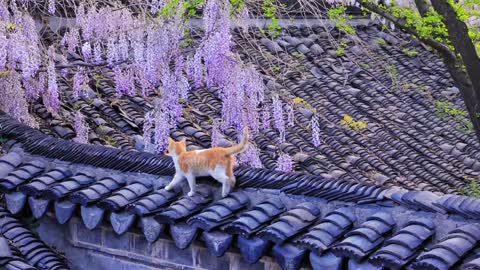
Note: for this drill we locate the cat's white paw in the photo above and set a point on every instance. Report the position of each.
(224, 194)
(191, 193)
(168, 187)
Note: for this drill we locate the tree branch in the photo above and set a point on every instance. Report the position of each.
(422, 6)
(458, 34)
(399, 23)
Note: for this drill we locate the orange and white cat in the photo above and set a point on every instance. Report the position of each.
(216, 162)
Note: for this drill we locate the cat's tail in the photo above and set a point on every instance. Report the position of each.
(239, 147)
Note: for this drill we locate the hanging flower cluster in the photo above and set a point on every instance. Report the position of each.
(251, 157)
(215, 133)
(315, 131)
(279, 121)
(240, 87)
(80, 83)
(147, 131)
(13, 99)
(81, 128)
(51, 98)
(284, 163)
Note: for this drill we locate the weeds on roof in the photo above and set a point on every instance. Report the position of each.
(298, 55)
(269, 11)
(341, 19)
(3, 140)
(364, 65)
(11, 27)
(340, 51)
(381, 41)
(473, 187)
(446, 109)
(413, 86)
(410, 53)
(275, 68)
(348, 121)
(109, 140)
(393, 74)
(305, 104)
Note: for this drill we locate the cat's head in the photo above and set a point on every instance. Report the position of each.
(176, 148)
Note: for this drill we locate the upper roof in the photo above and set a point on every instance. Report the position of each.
(390, 81)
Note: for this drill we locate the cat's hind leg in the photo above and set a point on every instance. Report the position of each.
(176, 179)
(192, 183)
(221, 176)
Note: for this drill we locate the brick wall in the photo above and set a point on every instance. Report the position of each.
(103, 249)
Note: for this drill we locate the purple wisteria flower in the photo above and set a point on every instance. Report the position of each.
(279, 121)
(81, 128)
(13, 99)
(51, 98)
(124, 81)
(315, 131)
(87, 51)
(284, 163)
(290, 115)
(80, 82)
(266, 118)
(3, 50)
(215, 133)
(51, 7)
(147, 131)
(250, 157)
(97, 53)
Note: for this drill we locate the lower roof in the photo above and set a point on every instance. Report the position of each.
(395, 228)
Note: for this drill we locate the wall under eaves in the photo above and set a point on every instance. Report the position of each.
(102, 249)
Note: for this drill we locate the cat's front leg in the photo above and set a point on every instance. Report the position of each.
(176, 179)
(192, 184)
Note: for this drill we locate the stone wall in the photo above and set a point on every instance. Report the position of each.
(102, 249)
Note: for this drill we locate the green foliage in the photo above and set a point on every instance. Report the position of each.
(169, 8)
(300, 101)
(413, 86)
(340, 51)
(341, 19)
(429, 26)
(3, 140)
(473, 187)
(445, 109)
(348, 121)
(11, 27)
(381, 41)
(393, 74)
(269, 11)
(275, 68)
(298, 55)
(188, 8)
(109, 140)
(364, 65)
(187, 40)
(237, 5)
(410, 53)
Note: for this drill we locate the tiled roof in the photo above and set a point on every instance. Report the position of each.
(406, 142)
(20, 249)
(295, 230)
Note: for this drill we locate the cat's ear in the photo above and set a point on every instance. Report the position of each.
(170, 140)
(184, 141)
